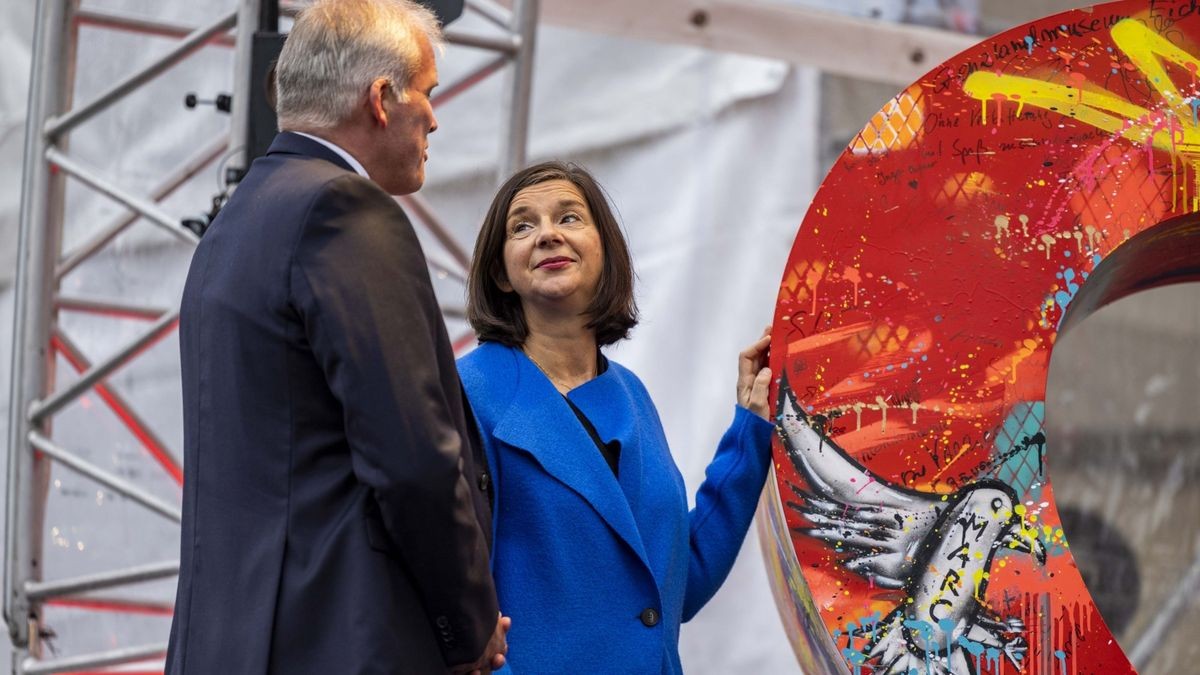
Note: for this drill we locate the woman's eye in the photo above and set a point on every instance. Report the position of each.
(520, 228)
(570, 218)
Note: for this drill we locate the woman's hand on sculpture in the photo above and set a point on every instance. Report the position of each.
(754, 377)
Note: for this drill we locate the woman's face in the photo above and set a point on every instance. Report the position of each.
(552, 252)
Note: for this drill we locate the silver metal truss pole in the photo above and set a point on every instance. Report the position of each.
(43, 409)
(56, 126)
(504, 45)
(103, 18)
(248, 15)
(498, 15)
(148, 209)
(115, 657)
(520, 88)
(111, 307)
(108, 480)
(449, 91)
(424, 213)
(172, 182)
(103, 580)
(1166, 620)
(37, 247)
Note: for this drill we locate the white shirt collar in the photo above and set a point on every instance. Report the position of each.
(354, 163)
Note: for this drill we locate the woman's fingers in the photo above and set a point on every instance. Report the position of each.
(751, 364)
(759, 394)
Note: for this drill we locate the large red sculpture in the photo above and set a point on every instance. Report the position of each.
(984, 210)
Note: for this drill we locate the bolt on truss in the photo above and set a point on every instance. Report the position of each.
(40, 340)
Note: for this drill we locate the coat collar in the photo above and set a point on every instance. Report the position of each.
(595, 398)
(539, 422)
(294, 144)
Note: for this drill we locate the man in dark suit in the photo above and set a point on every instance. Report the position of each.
(335, 519)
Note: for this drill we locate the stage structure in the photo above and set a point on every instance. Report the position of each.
(43, 264)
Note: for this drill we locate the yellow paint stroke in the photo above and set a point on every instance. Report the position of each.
(963, 451)
(1164, 130)
(1104, 110)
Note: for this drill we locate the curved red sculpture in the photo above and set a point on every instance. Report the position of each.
(981, 212)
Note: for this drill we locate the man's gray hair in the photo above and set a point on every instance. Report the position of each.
(337, 48)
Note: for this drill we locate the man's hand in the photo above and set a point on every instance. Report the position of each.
(493, 656)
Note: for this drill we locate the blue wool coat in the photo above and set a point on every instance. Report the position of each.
(598, 573)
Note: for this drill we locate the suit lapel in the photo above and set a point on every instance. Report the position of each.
(540, 423)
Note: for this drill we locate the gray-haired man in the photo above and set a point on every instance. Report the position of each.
(335, 519)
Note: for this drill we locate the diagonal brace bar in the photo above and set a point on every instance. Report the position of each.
(93, 582)
(508, 44)
(168, 186)
(424, 212)
(108, 480)
(114, 604)
(46, 407)
(114, 657)
(56, 126)
(105, 18)
(469, 80)
(117, 308)
(167, 459)
(145, 207)
(489, 10)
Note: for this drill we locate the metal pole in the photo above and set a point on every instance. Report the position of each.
(1166, 619)
(505, 45)
(98, 660)
(424, 213)
(41, 410)
(109, 307)
(516, 123)
(169, 460)
(489, 10)
(104, 580)
(114, 483)
(148, 209)
(248, 16)
(467, 81)
(57, 126)
(104, 18)
(37, 246)
(167, 187)
(113, 603)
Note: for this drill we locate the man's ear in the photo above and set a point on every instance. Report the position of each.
(377, 96)
(501, 279)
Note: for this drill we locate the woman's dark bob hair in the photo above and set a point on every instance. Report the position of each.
(497, 316)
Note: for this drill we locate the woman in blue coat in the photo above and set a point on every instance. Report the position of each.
(596, 557)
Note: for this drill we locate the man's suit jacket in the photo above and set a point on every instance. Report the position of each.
(333, 515)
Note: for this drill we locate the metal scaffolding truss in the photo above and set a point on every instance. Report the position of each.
(39, 341)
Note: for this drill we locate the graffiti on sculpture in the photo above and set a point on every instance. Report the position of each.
(913, 521)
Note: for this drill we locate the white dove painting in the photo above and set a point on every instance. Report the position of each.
(937, 548)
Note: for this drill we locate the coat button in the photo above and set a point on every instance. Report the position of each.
(484, 481)
(649, 617)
